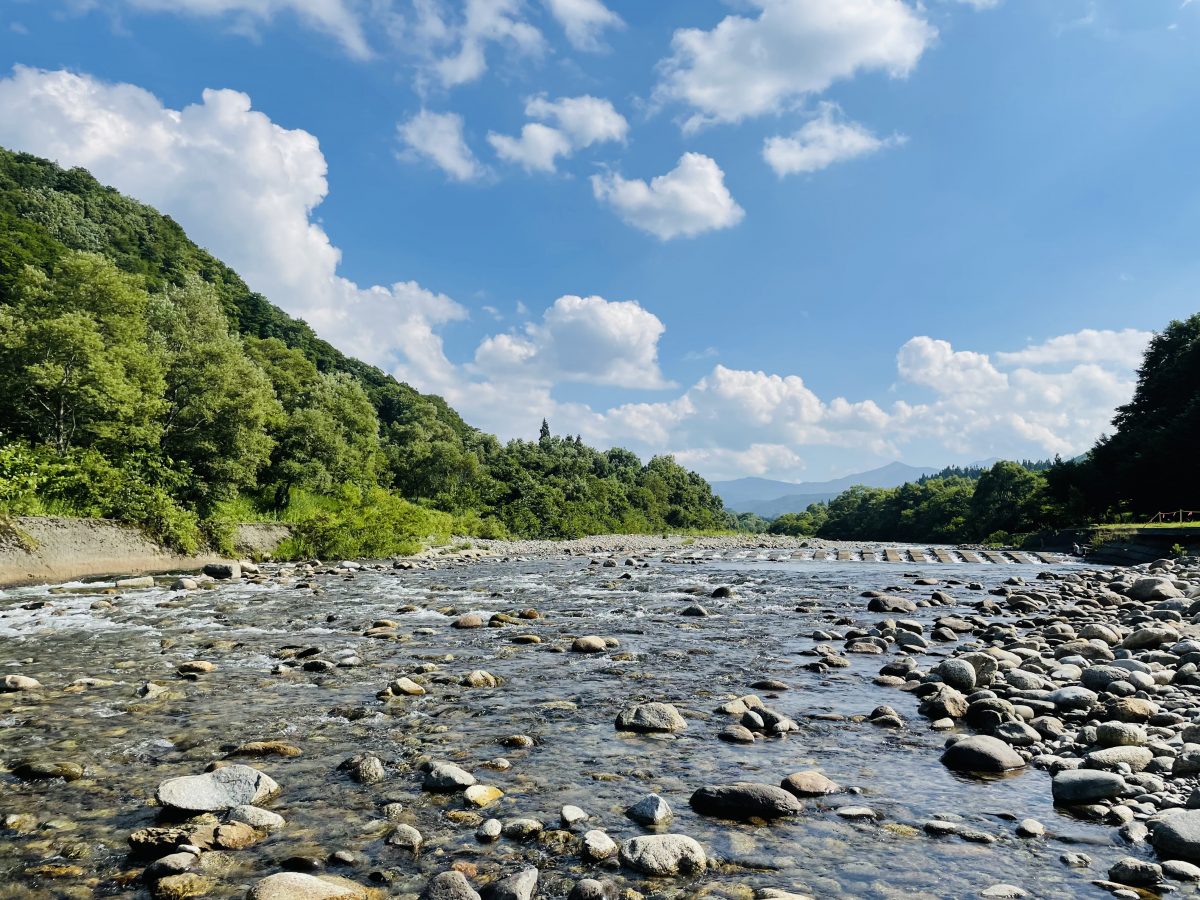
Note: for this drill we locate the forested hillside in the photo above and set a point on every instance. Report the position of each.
(141, 379)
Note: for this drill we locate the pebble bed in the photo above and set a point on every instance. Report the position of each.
(616, 719)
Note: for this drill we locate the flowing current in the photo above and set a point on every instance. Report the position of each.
(566, 702)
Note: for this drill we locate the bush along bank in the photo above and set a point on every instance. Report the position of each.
(1096, 681)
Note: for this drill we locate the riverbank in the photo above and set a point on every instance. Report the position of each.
(44, 550)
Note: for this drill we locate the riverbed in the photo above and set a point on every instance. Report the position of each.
(93, 648)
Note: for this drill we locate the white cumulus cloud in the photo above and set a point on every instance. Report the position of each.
(822, 141)
(454, 37)
(746, 67)
(584, 21)
(579, 122)
(586, 339)
(438, 138)
(337, 18)
(1123, 348)
(243, 187)
(689, 200)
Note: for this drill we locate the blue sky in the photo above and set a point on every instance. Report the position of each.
(881, 230)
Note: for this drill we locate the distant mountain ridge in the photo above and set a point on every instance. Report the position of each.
(770, 498)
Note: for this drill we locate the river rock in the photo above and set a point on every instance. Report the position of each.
(12, 683)
(134, 583)
(1137, 758)
(299, 886)
(651, 718)
(451, 885)
(957, 673)
(589, 644)
(981, 753)
(447, 778)
(592, 889)
(944, 703)
(223, 571)
(515, 887)
(1072, 698)
(256, 817)
(597, 845)
(405, 687)
(406, 838)
(1152, 589)
(809, 783)
(1177, 836)
(365, 768)
(1135, 872)
(745, 800)
(1076, 786)
(47, 770)
(218, 790)
(1121, 734)
(663, 855)
(650, 810)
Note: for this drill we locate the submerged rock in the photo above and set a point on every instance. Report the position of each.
(650, 718)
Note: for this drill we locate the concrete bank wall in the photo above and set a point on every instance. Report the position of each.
(42, 550)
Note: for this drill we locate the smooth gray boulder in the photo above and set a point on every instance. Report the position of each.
(299, 886)
(1085, 786)
(650, 810)
(981, 753)
(650, 718)
(745, 800)
(217, 790)
(223, 571)
(515, 887)
(451, 885)
(447, 777)
(663, 855)
(1177, 836)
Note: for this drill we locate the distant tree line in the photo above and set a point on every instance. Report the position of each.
(1147, 465)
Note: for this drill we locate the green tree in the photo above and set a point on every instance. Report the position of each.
(74, 359)
(1006, 500)
(330, 439)
(220, 406)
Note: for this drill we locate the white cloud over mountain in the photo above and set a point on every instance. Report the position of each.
(750, 66)
(689, 200)
(248, 190)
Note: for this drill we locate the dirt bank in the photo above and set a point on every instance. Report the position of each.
(43, 550)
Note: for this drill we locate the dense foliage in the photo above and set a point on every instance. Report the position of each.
(141, 379)
(1005, 500)
(1146, 466)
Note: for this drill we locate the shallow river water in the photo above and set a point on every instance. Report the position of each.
(566, 702)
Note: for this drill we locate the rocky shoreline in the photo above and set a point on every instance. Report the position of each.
(1092, 676)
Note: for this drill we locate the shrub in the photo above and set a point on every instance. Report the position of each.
(363, 524)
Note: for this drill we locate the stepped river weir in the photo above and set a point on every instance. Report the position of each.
(608, 720)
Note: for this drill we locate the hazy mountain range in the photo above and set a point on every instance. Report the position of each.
(771, 498)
